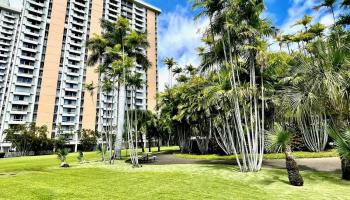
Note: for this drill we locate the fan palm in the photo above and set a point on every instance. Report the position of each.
(343, 146)
(280, 139)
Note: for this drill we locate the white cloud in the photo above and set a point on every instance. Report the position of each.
(179, 36)
(297, 10)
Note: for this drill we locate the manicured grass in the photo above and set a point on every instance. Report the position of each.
(41, 178)
(325, 154)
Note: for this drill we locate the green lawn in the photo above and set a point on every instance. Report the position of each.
(301, 154)
(41, 178)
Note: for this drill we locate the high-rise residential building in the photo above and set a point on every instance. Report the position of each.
(43, 62)
(9, 23)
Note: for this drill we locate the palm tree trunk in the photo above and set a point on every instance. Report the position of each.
(294, 176)
(345, 166)
(158, 143)
(142, 143)
(117, 154)
(121, 120)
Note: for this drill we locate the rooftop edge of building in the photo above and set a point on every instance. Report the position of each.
(5, 4)
(149, 6)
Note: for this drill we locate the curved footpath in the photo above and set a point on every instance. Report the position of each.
(315, 164)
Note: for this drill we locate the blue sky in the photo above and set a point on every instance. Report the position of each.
(179, 35)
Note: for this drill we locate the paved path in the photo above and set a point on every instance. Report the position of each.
(315, 164)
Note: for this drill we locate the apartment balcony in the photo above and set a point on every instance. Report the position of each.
(29, 32)
(78, 30)
(37, 3)
(27, 75)
(71, 89)
(82, 17)
(23, 84)
(73, 81)
(78, 10)
(114, 9)
(71, 42)
(69, 105)
(7, 26)
(18, 112)
(7, 43)
(68, 114)
(72, 73)
(4, 55)
(10, 16)
(70, 97)
(29, 49)
(33, 17)
(75, 58)
(3, 61)
(17, 122)
(7, 32)
(76, 37)
(38, 11)
(28, 58)
(68, 123)
(73, 66)
(75, 51)
(79, 4)
(6, 37)
(33, 26)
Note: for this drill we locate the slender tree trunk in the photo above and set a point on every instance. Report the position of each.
(121, 120)
(158, 144)
(345, 165)
(142, 143)
(294, 176)
(149, 144)
(117, 155)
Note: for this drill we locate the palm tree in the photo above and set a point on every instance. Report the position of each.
(239, 30)
(90, 88)
(280, 139)
(117, 49)
(328, 4)
(62, 156)
(191, 70)
(134, 81)
(305, 21)
(343, 146)
(170, 62)
(317, 29)
(344, 18)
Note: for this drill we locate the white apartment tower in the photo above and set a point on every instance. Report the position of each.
(43, 61)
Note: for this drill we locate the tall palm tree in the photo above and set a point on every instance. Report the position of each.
(116, 49)
(280, 139)
(305, 21)
(170, 62)
(239, 32)
(328, 4)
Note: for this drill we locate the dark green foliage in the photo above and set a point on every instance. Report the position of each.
(88, 140)
(26, 138)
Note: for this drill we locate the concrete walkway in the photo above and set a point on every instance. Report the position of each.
(314, 164)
